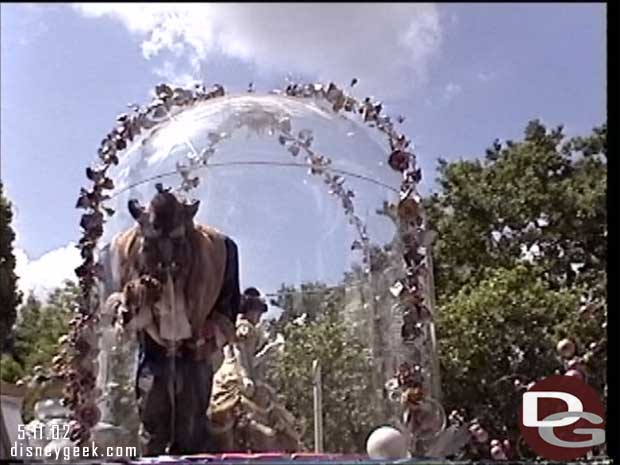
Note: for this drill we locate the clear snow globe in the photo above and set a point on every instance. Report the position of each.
(311, 192)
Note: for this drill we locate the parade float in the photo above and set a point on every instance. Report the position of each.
(308, 183)
(201, 194)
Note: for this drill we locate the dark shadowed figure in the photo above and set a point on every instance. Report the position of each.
(196, 271)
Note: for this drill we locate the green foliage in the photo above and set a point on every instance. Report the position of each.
(39, 327)
(348, 414)
(503, 329)
(10, 297)
(543, 190)
(10, 369)
(37, 330)
(501, 310)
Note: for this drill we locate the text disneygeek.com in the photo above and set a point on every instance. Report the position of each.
(61, 433)
(69, 452)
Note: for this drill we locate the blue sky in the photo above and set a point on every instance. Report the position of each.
(462, 74)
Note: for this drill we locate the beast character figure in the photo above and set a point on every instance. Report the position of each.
(179, 279)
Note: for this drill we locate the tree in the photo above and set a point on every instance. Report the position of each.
(345, 362)
(40, 325)
(501, 333)
(545, 195)
(520, 263)
(36, 337)
(10, 297)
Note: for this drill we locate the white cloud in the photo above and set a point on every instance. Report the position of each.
(451, 91)
(169, 73)
(44, 274)
(443, 95)
(387, 46)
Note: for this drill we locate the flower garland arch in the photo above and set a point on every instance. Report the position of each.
(76, 366)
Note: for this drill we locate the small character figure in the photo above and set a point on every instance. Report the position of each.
(244, 413)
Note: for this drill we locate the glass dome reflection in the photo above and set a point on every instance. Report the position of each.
(287, 226)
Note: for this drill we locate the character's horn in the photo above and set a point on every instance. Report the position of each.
(135, 209)
(191, 209)
(160, 188)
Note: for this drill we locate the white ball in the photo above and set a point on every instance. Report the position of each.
(387, 443)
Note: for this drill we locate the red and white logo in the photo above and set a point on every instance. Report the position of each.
(562, 418)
